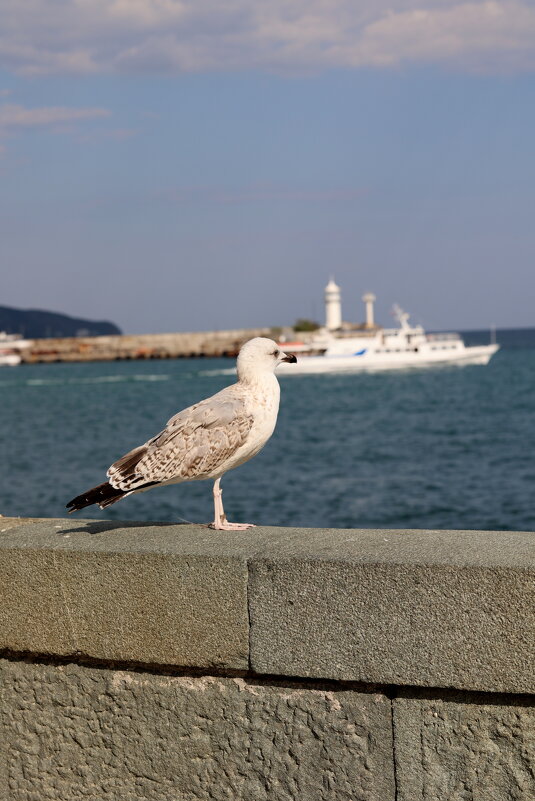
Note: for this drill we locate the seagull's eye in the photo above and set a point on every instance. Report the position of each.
(276, 353)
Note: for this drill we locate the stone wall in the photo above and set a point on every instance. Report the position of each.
(175, 663)
(142, 346)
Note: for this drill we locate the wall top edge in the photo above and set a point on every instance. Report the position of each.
(508, 549)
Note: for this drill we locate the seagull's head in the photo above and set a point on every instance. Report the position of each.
(260, 355)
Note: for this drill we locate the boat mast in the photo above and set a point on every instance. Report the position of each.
(402, 317)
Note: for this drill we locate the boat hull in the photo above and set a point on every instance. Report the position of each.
(371, 362)
(9, 359)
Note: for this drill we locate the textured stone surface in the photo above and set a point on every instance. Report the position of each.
(465, 749)
(436, 609)
(154, 594)
(418, 608)
(70, 733)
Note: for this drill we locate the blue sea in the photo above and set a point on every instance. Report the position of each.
(450, 447)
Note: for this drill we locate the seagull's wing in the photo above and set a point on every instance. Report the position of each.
(194, 443)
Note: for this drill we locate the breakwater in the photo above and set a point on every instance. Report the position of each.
(141, 346)
(153, 661)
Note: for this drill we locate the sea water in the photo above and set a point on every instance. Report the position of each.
(448, 447)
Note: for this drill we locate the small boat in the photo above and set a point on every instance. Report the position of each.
(385, 349)
(11, 346)
(9, 358)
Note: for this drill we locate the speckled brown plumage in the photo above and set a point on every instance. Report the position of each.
(194, 443)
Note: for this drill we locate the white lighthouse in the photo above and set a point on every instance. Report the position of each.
(333, 306)
(369, 300)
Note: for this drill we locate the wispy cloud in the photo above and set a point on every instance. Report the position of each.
(13, 116)
(168, 36)
(54, 119)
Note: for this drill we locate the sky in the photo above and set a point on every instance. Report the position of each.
(171, 165)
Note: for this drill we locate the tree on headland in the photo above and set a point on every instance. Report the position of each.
(39, 324)
(302, 324)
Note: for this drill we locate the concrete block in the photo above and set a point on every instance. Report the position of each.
(424, 608)
(465, 747)
(417, 608)
(172, 595)
(70, 732)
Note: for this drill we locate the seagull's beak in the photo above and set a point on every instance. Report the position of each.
(289, 358)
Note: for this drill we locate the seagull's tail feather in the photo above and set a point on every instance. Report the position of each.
(124, 469)
(104, 495)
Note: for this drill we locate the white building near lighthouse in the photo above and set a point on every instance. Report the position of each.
(369, 299)
(333, 306)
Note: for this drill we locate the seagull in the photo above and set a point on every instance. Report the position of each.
(205, 440)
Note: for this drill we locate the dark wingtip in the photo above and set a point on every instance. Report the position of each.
(103, 493)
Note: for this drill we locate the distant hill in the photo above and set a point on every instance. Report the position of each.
(37, 324)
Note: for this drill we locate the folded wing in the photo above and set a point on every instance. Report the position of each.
(193, 445)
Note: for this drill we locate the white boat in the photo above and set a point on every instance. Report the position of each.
(11, 346)
(385, 349)
(9, 358)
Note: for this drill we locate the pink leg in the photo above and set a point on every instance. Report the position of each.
(220, 520)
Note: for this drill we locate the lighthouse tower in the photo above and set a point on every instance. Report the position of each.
(333, 306)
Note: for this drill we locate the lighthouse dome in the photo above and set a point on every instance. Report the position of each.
(332, 286)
